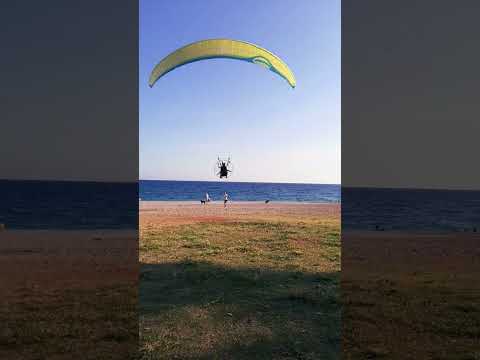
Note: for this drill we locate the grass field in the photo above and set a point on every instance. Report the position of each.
(262, 288)
(388, 317)
(410, 297)
(66, 324)
(68, 294)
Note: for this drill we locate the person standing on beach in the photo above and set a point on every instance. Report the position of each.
(225, 199)
(207, 197)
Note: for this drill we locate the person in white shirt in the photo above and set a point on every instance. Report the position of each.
(225, 199)
(207, 197)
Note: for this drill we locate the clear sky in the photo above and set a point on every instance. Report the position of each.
(224, 107)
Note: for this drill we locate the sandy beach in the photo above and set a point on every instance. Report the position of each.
(51, 259)
(403, 253)
(158, 213)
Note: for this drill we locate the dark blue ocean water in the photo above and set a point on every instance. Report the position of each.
(238, 191)
(410, 210)
(88, 205)
(68, 205)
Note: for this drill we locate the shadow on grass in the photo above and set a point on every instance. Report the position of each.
(99, 323)
(407, 296)
(387, 317)
(198, 310)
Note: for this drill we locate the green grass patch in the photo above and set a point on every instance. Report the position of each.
(241, 290)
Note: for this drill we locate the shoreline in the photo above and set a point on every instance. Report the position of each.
(243, 202)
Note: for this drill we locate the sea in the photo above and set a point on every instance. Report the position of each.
(68, 205)
(156, 190)
(91, 205)
(418, 210)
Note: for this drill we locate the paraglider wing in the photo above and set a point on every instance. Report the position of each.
(222, 48)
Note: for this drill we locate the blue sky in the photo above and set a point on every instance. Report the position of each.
(224, 107)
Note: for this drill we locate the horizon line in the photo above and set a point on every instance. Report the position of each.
(73, 180)
(250, 182)
(408, 187)
(246, 182)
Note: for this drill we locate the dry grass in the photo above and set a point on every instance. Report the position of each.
(410, 297)
(394, 318)
(68, 294)
(70, 324)
(240, 289)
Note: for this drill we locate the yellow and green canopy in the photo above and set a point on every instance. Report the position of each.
(222, 48)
